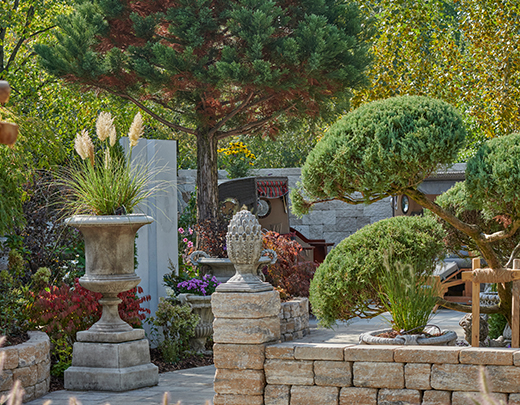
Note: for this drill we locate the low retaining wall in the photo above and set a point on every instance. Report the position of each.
(335, 374)
(30, 363)
(294, 319)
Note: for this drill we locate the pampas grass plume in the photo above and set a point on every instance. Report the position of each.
(136, 130)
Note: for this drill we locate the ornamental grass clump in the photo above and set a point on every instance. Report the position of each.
(106, 183)
(408, 294)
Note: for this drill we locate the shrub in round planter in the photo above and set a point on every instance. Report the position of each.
(346, 284)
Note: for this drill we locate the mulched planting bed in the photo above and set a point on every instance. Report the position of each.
(16, 340)
(157, 359)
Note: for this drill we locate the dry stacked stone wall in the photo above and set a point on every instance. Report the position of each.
(294, 319)
(29, 363)
(335, 374)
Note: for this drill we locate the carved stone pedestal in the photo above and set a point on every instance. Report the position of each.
(120, 365)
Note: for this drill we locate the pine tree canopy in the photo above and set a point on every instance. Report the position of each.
(217, 68)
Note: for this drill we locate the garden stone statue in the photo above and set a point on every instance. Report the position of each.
(244, 248)
(466, 323)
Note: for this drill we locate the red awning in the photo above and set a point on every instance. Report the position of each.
(272, 189)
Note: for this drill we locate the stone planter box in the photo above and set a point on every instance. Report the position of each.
(294, 319)
(30, 363)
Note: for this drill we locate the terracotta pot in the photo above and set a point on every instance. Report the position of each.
(8, 133)
(448, 338)
(5, 91)
(109, 261)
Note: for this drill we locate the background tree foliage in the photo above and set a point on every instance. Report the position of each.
(465, 52)
(215, 68)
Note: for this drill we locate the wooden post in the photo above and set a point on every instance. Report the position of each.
(515, 324)
(475, 307)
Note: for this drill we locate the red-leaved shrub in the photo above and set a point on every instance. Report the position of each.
(63, 311)
(289, 275)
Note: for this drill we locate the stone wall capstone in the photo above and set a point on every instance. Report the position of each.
(29, 363)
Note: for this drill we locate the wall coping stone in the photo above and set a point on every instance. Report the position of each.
(488, 355)
(30, 361)
(431, 354)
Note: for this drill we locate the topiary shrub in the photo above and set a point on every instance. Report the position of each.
(346, 284)
(381, 149)
(493, 177)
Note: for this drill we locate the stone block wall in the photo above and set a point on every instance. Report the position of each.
(332, 221)
(29, 363)
(336, 374)
(294, 319)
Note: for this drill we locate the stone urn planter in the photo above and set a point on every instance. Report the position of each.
(111, 355)
(223, 269)
(447, 338)
(200, 305)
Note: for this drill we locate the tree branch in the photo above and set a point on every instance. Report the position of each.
(153, 114)
(223, 121)
(243, 106)
(494, 309)
(503, 234)
(512, 257)
(471, 230)
(30, 15)
(245, 129)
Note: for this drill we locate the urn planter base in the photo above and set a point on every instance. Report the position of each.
(101, 366)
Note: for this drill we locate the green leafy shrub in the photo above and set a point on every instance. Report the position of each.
(346, 283)
(177, 325)
(14, 297)
(496, 323)
(288, 275)
(407, 294)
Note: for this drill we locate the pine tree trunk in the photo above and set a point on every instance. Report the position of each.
(207, 178)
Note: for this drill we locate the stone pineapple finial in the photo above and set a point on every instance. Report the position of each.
(244, 239)
(244, 248)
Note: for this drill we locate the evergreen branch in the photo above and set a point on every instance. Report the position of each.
(165, 105)
(223, 121)
(252, 126)
(153, 114)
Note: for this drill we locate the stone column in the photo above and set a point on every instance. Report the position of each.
(246, 319)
